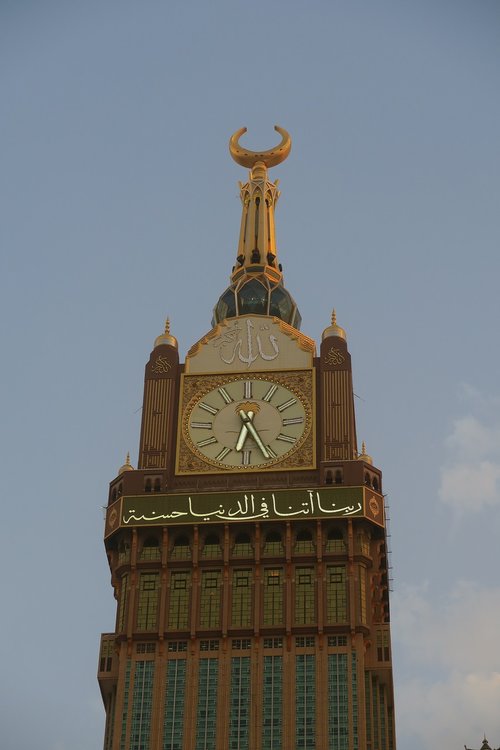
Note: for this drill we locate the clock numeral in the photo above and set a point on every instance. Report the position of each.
(247, 389)
(295, 420)
(272, 390)
(201, 425)
(208, 441)
(222, 455)
(272, 454)
(287, 404)
(225, 395)
(245, 458)
(208, 408)
(287, 438)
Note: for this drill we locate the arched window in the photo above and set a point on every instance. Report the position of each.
(212, 547)
(123, 552)
(242, 546)
(338, 477)
(328, 478)
(273, 544)
(304, 542)
(148, 485)
(335, 541)
(375, 484)
(157, 486)
(181, 549)
(151, 549)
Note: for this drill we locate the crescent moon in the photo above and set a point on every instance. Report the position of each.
(271, 157)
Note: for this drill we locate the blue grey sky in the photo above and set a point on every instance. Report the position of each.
(120, 206)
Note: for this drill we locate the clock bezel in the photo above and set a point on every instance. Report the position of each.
(300, 382)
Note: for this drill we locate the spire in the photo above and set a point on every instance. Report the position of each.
(166, 337)
(257, 277)
(334, 329)
(127, 466)
(363, 456)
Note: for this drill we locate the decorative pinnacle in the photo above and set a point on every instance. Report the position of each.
(334, 317)
(127, 460)
(167, 326)
(269, 158)
(363, 448)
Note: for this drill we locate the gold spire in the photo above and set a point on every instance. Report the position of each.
(127, 466)
(363, 456)
(334, 329)
(257, 252)
(166, 337)
(257, 280)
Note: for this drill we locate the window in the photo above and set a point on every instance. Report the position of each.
(272, 702)
(335, 542)
(122, 612)
(242, 546)
(151, 549)
(338, 702)
(210, 599)
(273, 596)
(181, 549)
(273, 544)
(173, 721)
(336, 594)
(140, 728)
(305, 610)
(305, 702)
(212, 547)
(178, 608)
(304, 543)
(239, 716)
(206, 713)
(241, 609)
(148, 601)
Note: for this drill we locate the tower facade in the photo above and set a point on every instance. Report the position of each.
(248, 550)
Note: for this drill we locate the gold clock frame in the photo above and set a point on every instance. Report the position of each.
(193, 387)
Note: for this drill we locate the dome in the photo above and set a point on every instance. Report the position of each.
(256, 295)
(334, 329)
(127, 466)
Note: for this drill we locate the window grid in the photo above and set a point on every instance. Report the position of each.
(337, 640)
(206, 716)
(338, 702)
(241, 644)
(272, 705)
(239, 718)
(147, 607)
(305, 702)
(336, 594)
(383, 725)
(180, 552)
(362, 593)
(142, 705)
(173, 724)
(126, 693)
(273, 642)
(123, 602)
(178, 610)
(355, 708)
(305, 609)
(273, 596)
(242, 549)
(210, 599)
(273, 548)
(150, 552)
(241, 605)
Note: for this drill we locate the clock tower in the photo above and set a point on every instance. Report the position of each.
(248, 550)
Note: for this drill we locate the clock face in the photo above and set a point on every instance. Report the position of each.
(246, 423)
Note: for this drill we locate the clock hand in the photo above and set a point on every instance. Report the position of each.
(243, 433)
(247, 421)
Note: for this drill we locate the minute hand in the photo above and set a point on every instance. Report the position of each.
(253, 432)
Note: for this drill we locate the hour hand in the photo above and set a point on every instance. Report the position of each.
(244, 430)
(247, 422)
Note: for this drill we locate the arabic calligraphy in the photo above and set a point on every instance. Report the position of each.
(161, 365)
(249, 506)
(334, 357)
(247, 343)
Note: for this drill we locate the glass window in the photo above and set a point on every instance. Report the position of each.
(336, 594)
(210, 599)
(178, 607)
(305, 609)
(147, 608)
(241, 606)
(273, 596)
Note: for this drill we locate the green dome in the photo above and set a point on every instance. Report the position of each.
(257, 296)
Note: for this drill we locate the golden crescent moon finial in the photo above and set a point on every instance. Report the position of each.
(271, 157)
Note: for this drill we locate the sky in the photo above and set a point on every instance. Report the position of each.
(119, 206)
